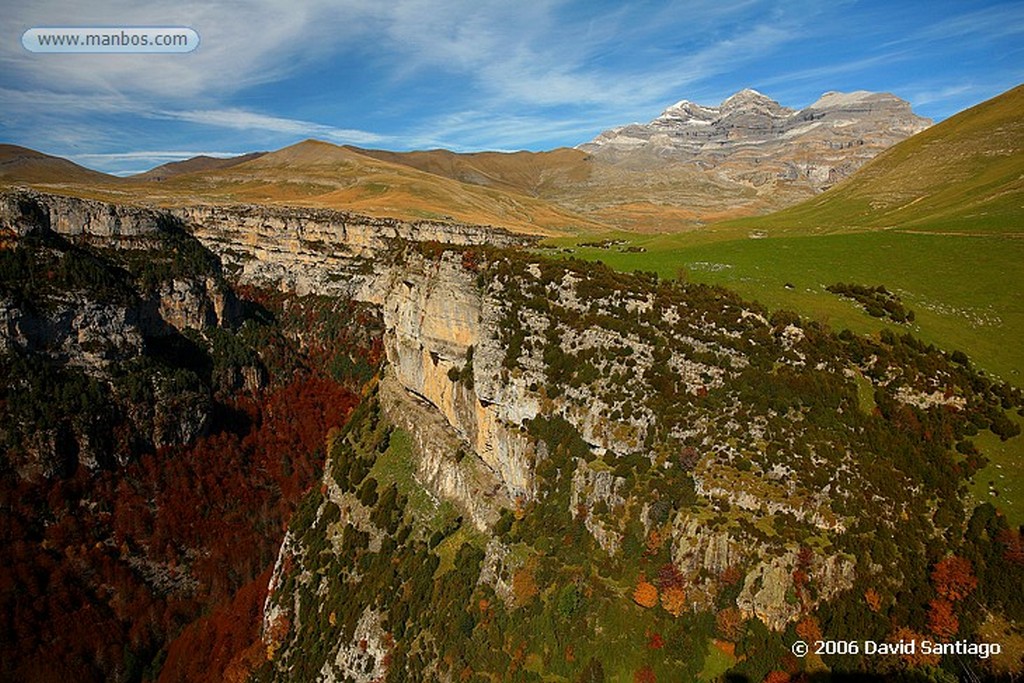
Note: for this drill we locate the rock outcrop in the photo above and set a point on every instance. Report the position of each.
(751, 138)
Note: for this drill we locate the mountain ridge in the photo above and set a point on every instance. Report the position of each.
(963, 173)
(687, 131)
(691, 165)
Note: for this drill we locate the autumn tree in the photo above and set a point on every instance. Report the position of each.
(645, 594)
(669, 576)
(655, 539)
(941, 620)
(808, 629)
(644, 675)
(524, 585)
(673, 599)
(729, 623)
(731, 576)
(1013, 546)
(953, 578)
(873, 599)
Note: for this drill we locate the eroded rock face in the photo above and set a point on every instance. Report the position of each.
(467, 480)
(25, 211)
(78, 331)
(317, 251)
(436, 318)
(194, 304)
(591, 488)
(751, 138)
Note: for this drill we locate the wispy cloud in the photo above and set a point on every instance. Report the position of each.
(471, 74)
(149, 155)
(470, 131)
(241, 119)
(990, 22)
(242, 44)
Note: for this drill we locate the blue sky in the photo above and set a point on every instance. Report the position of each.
(473, 74)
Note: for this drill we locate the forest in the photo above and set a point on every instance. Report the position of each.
(109, 560)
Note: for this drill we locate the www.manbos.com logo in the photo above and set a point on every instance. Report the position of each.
(111, 39)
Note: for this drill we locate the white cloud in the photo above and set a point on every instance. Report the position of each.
(151, 155)
(241, 119)
(242, 44)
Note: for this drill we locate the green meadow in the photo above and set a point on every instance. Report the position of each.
(964, 290)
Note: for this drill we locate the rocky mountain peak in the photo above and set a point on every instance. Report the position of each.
(752, 139)
(750, 100)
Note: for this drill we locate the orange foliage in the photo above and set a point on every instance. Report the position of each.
(941, 620)
(731, 575)
(645, 594)
(808, 629)
(654, 541)
(524, 586)
(729, 623)
(953, 578)
(873, 599)
(777, 677)
(674, 600)
(918, 658)
(224, 644)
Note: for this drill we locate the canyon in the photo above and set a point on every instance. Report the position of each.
(540, 393)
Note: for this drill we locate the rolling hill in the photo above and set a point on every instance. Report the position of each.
(27, 166)
(310, 174)
(197, 164)
(536, 174)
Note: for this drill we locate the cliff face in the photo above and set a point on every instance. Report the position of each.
(72, 313)
(438, 340)
(299, 250)
(433, 318)
(318, 251)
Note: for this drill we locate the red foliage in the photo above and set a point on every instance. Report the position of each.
(942, 622)
(655, 641)
(470, 260)
(731, 576)
(669, 576)
(208, 646)
(203, 521)
(1013, 546)
(644, 675)
(953, 578)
